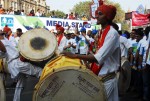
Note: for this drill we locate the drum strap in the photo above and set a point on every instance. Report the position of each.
(108, 77)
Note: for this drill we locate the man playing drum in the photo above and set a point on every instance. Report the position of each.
(15, 62)
(107, 57)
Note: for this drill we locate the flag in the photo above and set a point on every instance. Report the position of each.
(140, 9)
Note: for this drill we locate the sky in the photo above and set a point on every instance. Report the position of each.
(67, 5)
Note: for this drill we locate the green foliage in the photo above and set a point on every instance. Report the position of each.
(82, 8)
(59, 14)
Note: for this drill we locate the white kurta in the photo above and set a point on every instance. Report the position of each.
(109, 56)
(15, 65)
(62, 44)
(13, 41)
(124, 46)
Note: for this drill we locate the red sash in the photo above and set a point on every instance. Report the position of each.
(59, 38)
(95, 67)
(9, 36)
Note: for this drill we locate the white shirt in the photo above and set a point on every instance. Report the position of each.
(134, 45)
(73, 42)
(143, 49)
(109, 53)
(17, 39)
(148, 42)
(12, 53)
(124, 46)
(13, 41)
(62, 44)
(37, 14)
(83, 46)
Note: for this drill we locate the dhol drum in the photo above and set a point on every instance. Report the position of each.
(2, 90)
(65, 79)
(124, 76)
(37, 45)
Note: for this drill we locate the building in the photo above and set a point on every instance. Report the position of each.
(26, 5)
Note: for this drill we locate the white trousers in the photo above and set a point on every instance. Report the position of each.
(111, 88)
(19, 87)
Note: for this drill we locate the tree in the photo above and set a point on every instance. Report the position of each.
(59, 14)
(82, 8)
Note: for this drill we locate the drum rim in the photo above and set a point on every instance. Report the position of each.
(78, 68)
(32, 59)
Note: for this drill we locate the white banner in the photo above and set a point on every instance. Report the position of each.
(29, 22)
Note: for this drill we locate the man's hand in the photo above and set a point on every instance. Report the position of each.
(69, 54)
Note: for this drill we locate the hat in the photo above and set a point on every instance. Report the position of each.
(67, 32)
(108, 10)
(59, 27)
(82, 29)
(6, 29)
(94, 32)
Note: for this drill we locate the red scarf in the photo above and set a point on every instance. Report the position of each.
(59, 38)
(95, 67)
(9, 36)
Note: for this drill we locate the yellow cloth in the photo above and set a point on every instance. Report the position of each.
(59, 62)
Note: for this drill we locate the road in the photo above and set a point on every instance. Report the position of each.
(32, 81)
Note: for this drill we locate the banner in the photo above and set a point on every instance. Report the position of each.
(139, 19)
(30, 22)
(93, 9)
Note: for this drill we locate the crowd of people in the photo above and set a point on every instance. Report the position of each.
(101, 48)
(40, 13)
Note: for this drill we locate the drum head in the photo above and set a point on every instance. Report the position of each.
(124, 76)
(2, 91)
(70, 84)
(37, 44)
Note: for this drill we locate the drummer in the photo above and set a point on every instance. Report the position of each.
(17, 64)
(107, 57)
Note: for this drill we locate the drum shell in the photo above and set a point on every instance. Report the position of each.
(2, 90)
(68, 71)
(124, 76)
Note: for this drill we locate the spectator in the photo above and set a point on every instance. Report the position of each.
(77, 16)
(17, 12)
(84, 18)
(22, 12)
(18, 34)
(66, 16)
(71, 16)
(32, 13)
(43, 14)
(38, 14)
(11, 12)
(1, 9)
(53, 15)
